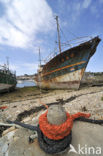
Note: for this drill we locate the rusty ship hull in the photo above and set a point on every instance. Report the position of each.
(65, 71)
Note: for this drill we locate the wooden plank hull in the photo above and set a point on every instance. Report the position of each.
(7, 80)
(6, 87)
(69, 80)
(66, 69)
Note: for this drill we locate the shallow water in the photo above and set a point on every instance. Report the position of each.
(25, 83)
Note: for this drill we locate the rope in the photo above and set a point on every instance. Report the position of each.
(51, 146)
(33, 128)
(3, 107)
(57, 132)
(46, 106)
(93, 121)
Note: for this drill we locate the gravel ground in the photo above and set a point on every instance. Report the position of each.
(86, 100)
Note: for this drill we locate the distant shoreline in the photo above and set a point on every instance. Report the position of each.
(25, 77)
(25, 83)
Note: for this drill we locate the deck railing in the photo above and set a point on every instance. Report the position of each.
(4, 69)
(69, 44)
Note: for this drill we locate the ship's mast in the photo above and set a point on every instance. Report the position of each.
(7, 58)
(58, 34)
(39, 57)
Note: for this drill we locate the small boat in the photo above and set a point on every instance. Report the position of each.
(66, 69)
(7, 79)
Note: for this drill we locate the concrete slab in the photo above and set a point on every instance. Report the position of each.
(87, 141)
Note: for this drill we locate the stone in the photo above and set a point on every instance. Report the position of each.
(56, 115)
(8, 130)
(32, 137)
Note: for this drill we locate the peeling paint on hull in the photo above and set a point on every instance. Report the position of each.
(70, 80)
(66, 69)
(6, 87)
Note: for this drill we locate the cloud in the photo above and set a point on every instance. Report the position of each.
(86, 3)
(101, 1)
(61, 5)
(13, 67)
(1, 64)
(77, 8)
(95, 11)
(24, 68)
(31, 66)
(23, 20)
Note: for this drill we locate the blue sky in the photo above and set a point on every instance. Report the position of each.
(26, 25)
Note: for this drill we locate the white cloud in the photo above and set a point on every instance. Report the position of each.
(1, 64)
(75, 11)
(22, 20)
(61, 6)
(101, 1)
(13, 67)
(94, 10)
(86, 3)
(31, 66)
(24, 68)
(77, 8)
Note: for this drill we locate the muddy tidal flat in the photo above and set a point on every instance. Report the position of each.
(26, 105)
(25, 102)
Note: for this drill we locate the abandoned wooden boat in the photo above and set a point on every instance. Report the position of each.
(66, 69)
(7, 79)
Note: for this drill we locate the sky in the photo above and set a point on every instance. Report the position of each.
(27, 25)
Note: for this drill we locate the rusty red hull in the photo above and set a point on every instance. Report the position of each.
(66, 69)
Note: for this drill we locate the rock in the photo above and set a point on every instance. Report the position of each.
(5, 142)
(56, 114)
(27, 119)
(8, 130)
(32, 137)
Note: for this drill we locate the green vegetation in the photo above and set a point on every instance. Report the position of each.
(95, 73)
(27, 89)
(20, 94)
(98, 74)
(102, 98)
